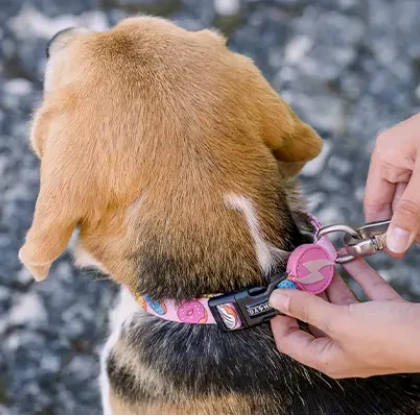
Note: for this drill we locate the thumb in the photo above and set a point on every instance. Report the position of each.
(305, 307)
(405, 223)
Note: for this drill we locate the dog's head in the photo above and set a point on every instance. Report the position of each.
(148, 135)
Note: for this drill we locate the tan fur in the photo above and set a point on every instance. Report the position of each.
(122, 113)
(210, 405)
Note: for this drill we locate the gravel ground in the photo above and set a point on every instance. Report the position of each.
(349, 67)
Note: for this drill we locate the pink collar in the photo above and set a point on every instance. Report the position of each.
(310, 267)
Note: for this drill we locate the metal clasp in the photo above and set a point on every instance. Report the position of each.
(362, 242)
(371, 239)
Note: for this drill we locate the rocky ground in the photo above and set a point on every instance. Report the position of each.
(349, 67)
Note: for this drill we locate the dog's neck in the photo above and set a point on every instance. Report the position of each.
(210, 259)
(183, 279)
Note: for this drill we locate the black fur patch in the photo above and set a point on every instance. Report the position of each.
(199, 360)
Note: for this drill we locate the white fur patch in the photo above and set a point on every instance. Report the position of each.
(267, 254)
(82, 259)
(103, 376)
(133, 209)
(122, 313)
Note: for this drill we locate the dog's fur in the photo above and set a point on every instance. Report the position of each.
(176, 160)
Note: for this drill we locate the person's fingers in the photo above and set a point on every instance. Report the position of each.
(393, 254)
(324, 296)
(379, 192)
(302, 346)
(306, 307)
(314, 330)
(394, 158)
(339, 293)
(405, 223)
(341, 252)
(399, 191)
(375, 287)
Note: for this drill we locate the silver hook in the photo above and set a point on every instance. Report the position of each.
(326, 230)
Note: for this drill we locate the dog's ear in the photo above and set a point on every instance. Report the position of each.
(59, 206)
(292, 141)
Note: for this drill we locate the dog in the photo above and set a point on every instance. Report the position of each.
(177, 162)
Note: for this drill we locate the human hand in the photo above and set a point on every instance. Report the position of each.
(393, 184)
(360, 339)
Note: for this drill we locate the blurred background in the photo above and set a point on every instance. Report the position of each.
(351, 68)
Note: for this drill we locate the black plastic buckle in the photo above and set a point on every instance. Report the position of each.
(245, 308)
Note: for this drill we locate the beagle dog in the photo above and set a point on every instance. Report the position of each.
(176, 161)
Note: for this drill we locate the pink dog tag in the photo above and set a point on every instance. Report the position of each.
(311, 267)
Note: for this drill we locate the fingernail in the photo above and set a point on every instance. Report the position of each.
(280, 301)
(397, 240)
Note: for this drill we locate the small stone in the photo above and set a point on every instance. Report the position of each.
(6, 301)
(56, 8)
(349, 4)
(290, 2)
(359, 193)
(315, 166)
(271, 27)
(296, 49)
(371, 115)
(28, 309)
(24, 277)
(340, 166)
(3, 159)
(394, 30)
(319, 49)
(329, 215)
(77, 394)
(315, 200)
(18, 87)
(33, 364)
(63, 270)
(386, 275)
(155, 7)
(188, 23)
(343, 5)
(32, 23)
(4, 295)
(415, 288)
(4, 411)
(333, 183)
(325, 112)
(227, 7)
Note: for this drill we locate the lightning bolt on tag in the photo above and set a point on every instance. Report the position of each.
(314, 268)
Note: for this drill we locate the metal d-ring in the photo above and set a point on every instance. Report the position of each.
(326, 230)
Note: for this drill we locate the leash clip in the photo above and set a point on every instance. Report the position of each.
(363, 242)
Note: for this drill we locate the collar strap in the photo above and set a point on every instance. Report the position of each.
(310, 267)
